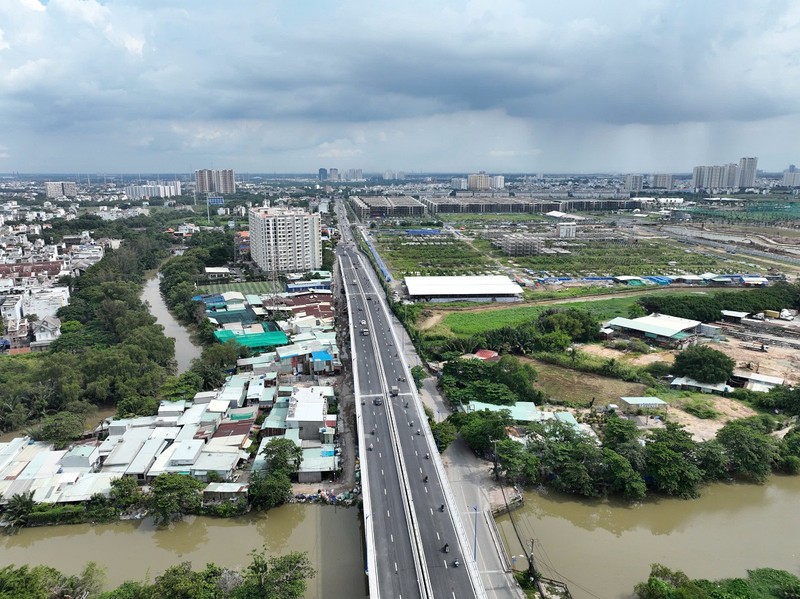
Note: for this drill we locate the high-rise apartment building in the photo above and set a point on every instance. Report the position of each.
(58, 189)
(727, 176)
(791, 177)
(479, 182)
(458, 183)
(323, 174)
(215, 181)
(333, 174)
(497, 182)
(661, 181)
(166, 189)
(747, 172)
(634, 182)
(285, 239)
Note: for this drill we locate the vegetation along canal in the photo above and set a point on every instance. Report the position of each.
(602, 549)
(138, 550)
(185, 349)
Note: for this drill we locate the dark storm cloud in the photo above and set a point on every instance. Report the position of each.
(303, 81)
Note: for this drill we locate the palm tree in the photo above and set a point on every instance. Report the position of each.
(18, 509)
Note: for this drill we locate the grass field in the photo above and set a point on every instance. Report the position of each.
(579, 388)
(254, 287)
(471, 323)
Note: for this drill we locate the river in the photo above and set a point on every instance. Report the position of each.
(185, 349)
(139, 551)
(602, 549)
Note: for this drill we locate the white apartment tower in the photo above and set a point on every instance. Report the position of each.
(479, 182)
(215, 181)
(747, 172)
(285, 239)
(634, 182)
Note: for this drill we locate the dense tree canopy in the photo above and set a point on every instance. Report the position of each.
(704, 364)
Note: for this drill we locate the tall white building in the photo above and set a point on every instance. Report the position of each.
(747, 172)
(166, 189)
(661, 181)
(479, 182)
(497, 181)
(215, 181)
(58, 189)
(634, 182)
(285, 239)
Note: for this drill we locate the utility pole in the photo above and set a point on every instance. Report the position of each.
(531, 565)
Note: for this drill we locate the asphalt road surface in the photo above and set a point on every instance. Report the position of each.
(383, 387)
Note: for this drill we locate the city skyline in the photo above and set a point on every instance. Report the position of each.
(88, 86)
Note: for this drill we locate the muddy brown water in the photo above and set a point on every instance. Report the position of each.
(186, 350)
(139, 551)
(602, 549)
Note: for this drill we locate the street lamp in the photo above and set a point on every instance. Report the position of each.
(475, 538)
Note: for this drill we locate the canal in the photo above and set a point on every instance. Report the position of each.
(602, 549)
(139, 551)
(186, 350)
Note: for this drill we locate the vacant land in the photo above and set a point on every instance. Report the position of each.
(253, 287)
(563, 384)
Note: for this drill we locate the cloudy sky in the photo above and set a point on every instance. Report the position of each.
(431, 85)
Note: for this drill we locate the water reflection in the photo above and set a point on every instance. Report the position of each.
(136, 550)
(185, 348)
(607, 547)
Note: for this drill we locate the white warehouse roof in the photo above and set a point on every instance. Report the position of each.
(462, 285)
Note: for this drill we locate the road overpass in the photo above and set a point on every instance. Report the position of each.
(403, 478)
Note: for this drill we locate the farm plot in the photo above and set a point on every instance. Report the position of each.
(609, 258)
(440, 256)
(252, 287)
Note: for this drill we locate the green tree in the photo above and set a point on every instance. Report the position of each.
(479, 428)
(266, 490)
(125, 493)
(515, 463)
(173, 495)
(18, 509)
(671, 461)
(60, 429)
(444, 432)
(704, 364)
(281, 577)
(620, 478)
(181, 582)
(282, 455)
(619, 431)
(750, 451)
(636, 311)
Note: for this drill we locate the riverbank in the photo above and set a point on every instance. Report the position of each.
(603, 548)
(137, 550)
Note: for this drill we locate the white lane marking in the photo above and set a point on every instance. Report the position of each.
(426, 489)
(379, 455)
(382, 472)
(420, 470)
(445, 563)
(384, 491)
(387, 514)
(395, 567)
(437, 535)
(391, 536)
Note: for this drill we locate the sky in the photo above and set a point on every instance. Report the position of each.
(414, 85)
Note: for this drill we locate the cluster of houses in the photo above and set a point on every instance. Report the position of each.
(30, 295)
(208, 438)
